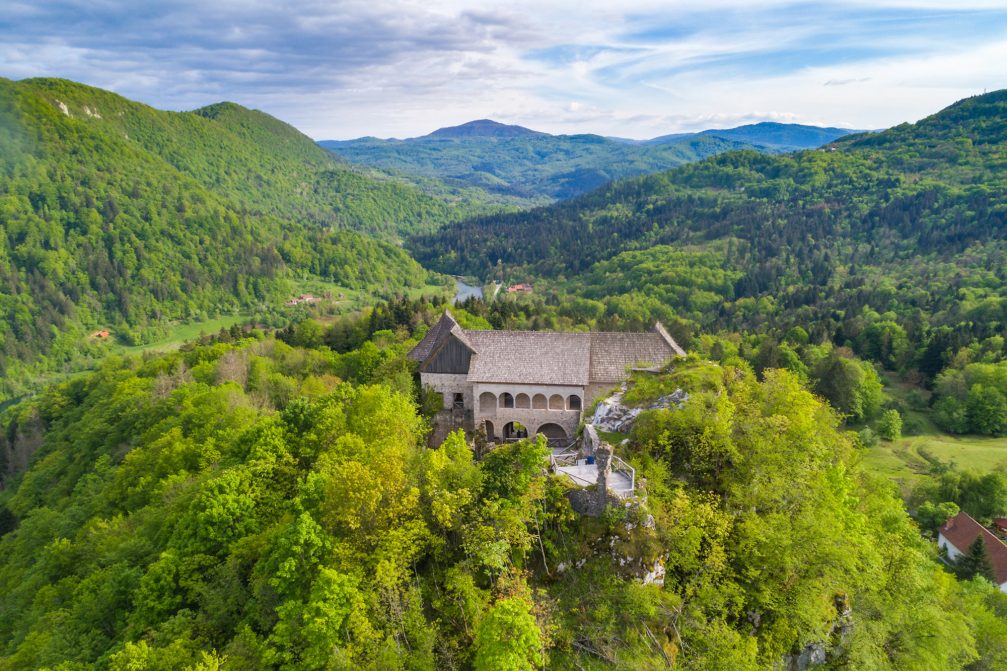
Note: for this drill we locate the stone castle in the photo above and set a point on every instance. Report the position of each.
(522, 383)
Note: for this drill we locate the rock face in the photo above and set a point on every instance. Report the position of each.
(613, 416)
(820, 653)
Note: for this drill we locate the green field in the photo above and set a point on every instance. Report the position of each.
(343, 300)
(909, 459)
(181, 333)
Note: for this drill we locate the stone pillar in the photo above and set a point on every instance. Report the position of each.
(603, 459)
(590, 440)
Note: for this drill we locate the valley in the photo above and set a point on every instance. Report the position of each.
(523, 168)
(275, 405)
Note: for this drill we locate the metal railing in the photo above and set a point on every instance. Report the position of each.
(566, 458)
(620, 466)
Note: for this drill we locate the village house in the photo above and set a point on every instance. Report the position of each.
(521, 383)
(961, 531)
(303, 298)
(519, 289)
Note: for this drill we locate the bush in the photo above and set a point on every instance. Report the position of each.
(868, 438)
(890, 425)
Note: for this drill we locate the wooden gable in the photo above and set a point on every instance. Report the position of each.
(452, 357)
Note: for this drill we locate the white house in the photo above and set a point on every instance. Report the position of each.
(961, 531)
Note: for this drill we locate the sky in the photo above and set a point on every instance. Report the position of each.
(340, 69)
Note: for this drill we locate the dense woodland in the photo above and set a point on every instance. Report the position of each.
(523, 167)
(248, 504)
(116, 215)
(529, 168)
(891, 244)
(267, 500)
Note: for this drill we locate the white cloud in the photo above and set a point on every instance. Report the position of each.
(638, 68)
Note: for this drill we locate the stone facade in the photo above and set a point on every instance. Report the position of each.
(520, 383)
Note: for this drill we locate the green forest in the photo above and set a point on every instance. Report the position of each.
(246, 503)
(265, 497)
(522, 167)
(118, 216)
(891, 245)
(530, 169)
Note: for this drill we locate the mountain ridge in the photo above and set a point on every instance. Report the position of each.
(482, 128)
(527, 167)
(117, 215)
(830, 240)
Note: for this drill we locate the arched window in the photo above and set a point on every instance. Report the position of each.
(487, 402)
(522, 401)
(539, 402)
(506, 400)
(556, 402)
(573, 402)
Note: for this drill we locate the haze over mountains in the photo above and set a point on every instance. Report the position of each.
(526, 167)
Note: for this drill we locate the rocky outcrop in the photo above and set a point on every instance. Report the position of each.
(819, 653)
(614, 416)
(631, 544)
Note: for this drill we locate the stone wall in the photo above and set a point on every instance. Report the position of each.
(449, 385)
(446, 421)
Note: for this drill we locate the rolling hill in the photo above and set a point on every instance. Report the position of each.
(117, 215)
(525, 167)
(782, 137)
(904, 230)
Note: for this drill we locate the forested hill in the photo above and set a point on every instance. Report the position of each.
(118, 215)
(905, 226)
(525, 168)
(254, 505)
(260, 162)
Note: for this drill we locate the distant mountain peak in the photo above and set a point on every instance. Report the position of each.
(484, 128)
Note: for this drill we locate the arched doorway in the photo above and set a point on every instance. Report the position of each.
(552, 432)
(514, 431)
(573, 402)
(506, 400)
(490, 435)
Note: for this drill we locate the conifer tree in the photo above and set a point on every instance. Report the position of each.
(976, 561)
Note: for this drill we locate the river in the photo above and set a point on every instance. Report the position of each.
(464, 291)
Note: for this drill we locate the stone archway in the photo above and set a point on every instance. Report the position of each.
(552, 431)
(490, 435)
(487, 403)
(522, 401)
(573, 402)
(539, 402)
(506, 400)
(557, 402)
(514, 431)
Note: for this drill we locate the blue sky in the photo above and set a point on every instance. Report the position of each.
(633, 68)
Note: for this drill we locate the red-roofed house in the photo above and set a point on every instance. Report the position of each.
(961, 531)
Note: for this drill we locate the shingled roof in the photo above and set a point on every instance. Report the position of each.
(530, 357)
(543, 357)
(962, 531)
(613, 353)
(433, 337)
